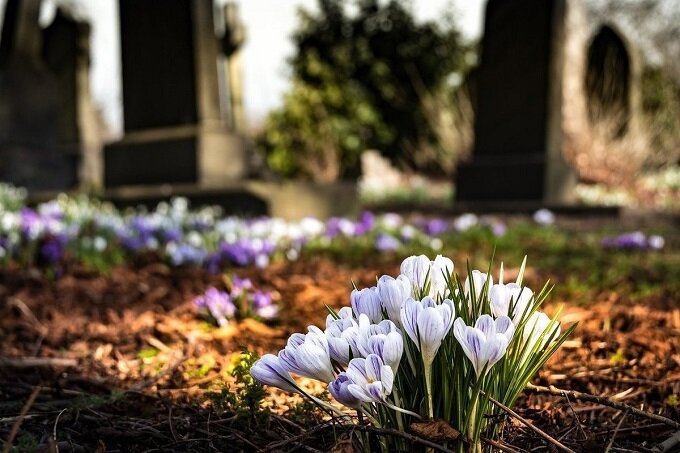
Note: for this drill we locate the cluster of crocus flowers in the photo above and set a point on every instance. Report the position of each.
(424, 344)
(242, 300)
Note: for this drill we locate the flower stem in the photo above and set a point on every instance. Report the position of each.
(428, 387)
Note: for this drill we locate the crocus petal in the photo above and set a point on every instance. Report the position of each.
(486, 325)
(431, 330)
(393, 349)
(356, 371)
(359, 393)
(409, 319)
(268, 370)
(387, 379)
(374, 365)
(505, 326)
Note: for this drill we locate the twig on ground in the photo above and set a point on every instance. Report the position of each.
(616, 431)
(363, 428)
(17, 424)
(54, 430)
(31, 362)
(28, 314)
(552, 390)
(529, 425)
(502, 447)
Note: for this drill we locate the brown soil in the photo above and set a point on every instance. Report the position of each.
(627, 352)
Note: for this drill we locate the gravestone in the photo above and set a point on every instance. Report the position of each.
(175, 126)
(233, 37)
(43, 98)
(517, 153)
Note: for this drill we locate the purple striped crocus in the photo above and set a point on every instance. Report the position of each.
(486, 342)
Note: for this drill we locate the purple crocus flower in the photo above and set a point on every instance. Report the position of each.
(264, 305)
(393, 293)
(239, 285)
(31, 224)
(307, 355)
(340, 391)
(366, 301)
(435, 227)
(182, 254)
(52, 249)
(385, 242)
(427, 323)
(365, 224)
(218, 303)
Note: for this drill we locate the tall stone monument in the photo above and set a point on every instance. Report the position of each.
(176, 125)
(518, 147)
(44, 99)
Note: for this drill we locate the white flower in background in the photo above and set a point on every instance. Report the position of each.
(486, 342)
(308, 355)
(312, 226)
(391, 221)
(536, 326)
(656, 242)
(477, 279)
(511, 294)
(465, 222)
(442, 268)
(544, 217)
(371, 379)
(393, 292)
(419, 270)
(366, 301)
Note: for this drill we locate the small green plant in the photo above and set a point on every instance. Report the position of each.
(249, 394)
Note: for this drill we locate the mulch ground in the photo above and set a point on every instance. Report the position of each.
(121, 362)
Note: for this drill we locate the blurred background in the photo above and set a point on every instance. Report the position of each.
(560, 103)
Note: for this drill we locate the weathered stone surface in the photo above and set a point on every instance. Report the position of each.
(518, 134)
(44, 98)
(176, 126)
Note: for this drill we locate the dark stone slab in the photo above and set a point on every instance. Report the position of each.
(158, 60)
(151, 162)
(233, 201)
(512, 101)
(517, 151)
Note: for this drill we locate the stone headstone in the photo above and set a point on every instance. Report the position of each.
(518, 121)
(175, 127)
(42, 73)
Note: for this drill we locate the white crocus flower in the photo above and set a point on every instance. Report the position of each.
(486, 342)
(308, 355)
(427, 323)
(536, 326)
(510, 296)
(366, 301)
(393, 292)
(372, 380)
